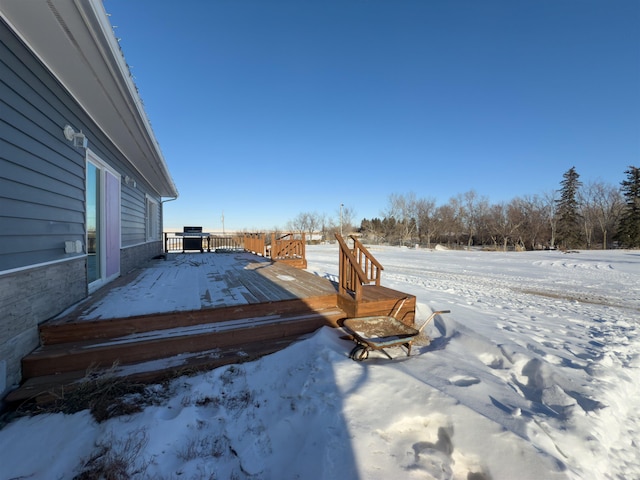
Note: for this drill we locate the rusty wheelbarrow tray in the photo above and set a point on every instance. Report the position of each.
(382, 331)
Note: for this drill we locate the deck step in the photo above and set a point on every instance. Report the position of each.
(147, 346)
(80, 330)
(47, 388)
(146, 356)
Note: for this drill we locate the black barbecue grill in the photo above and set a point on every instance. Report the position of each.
(192, 238)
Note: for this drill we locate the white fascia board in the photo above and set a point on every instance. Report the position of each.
(114, 52)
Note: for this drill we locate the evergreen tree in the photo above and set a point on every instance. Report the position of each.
(569, 227)
(629, 230)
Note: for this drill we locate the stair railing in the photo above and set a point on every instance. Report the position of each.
(357, 267)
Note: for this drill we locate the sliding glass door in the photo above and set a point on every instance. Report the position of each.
(103, 222)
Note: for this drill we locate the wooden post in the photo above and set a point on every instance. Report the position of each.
(273, 244)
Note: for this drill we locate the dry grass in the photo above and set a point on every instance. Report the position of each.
(117, 460)
(105, 394)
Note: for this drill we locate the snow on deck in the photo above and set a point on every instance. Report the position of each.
(195, 281)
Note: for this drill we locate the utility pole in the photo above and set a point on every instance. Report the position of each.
(223, 222)
(341, 205)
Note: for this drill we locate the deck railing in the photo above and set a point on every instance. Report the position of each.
(221, 242)
(172, 243)
(357, 267)
(175, 243)
(255, 243)
(288, 246)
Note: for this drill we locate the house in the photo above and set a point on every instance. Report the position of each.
(82, 178)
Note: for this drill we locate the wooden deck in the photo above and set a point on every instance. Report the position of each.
(197, 281)
(191, 311)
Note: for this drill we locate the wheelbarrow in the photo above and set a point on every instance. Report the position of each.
(382, 331)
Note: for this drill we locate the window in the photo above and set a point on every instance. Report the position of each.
(153, 220)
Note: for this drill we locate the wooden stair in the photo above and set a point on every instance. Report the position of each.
(153, 347)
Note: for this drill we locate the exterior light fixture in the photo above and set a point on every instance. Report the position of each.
(130, 182)
(79, 139)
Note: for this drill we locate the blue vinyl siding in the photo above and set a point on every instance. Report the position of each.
(42, 176)
(133, 216)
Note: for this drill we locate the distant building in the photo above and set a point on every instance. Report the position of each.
(82, 178)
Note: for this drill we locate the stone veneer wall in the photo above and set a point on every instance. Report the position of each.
(27, 298)
(137, 256)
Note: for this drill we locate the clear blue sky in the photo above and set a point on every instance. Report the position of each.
(266, 109)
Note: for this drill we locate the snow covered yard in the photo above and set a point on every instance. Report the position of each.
(534, 374)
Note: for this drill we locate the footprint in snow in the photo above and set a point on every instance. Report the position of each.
(435, 458)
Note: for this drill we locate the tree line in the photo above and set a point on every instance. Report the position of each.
(314, 224)
(576, 215)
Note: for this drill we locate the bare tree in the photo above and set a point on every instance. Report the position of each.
(473, 210)
(586, 212)
(299, 223)
(550, 200)
(535, 224)
(448, 222)
(403, 210)
(307, 223)
(425, 213)
(314, 224)
(326, 226)
(504, 220)
(603, 206)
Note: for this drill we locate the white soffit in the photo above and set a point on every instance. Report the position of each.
(75, 40)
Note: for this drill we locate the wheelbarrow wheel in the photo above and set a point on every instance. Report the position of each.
(359, 353)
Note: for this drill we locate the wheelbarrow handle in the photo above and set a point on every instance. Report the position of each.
(397, 311)
(439, 312)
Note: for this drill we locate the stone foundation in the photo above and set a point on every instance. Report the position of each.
(135, 257)
(28, 298)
